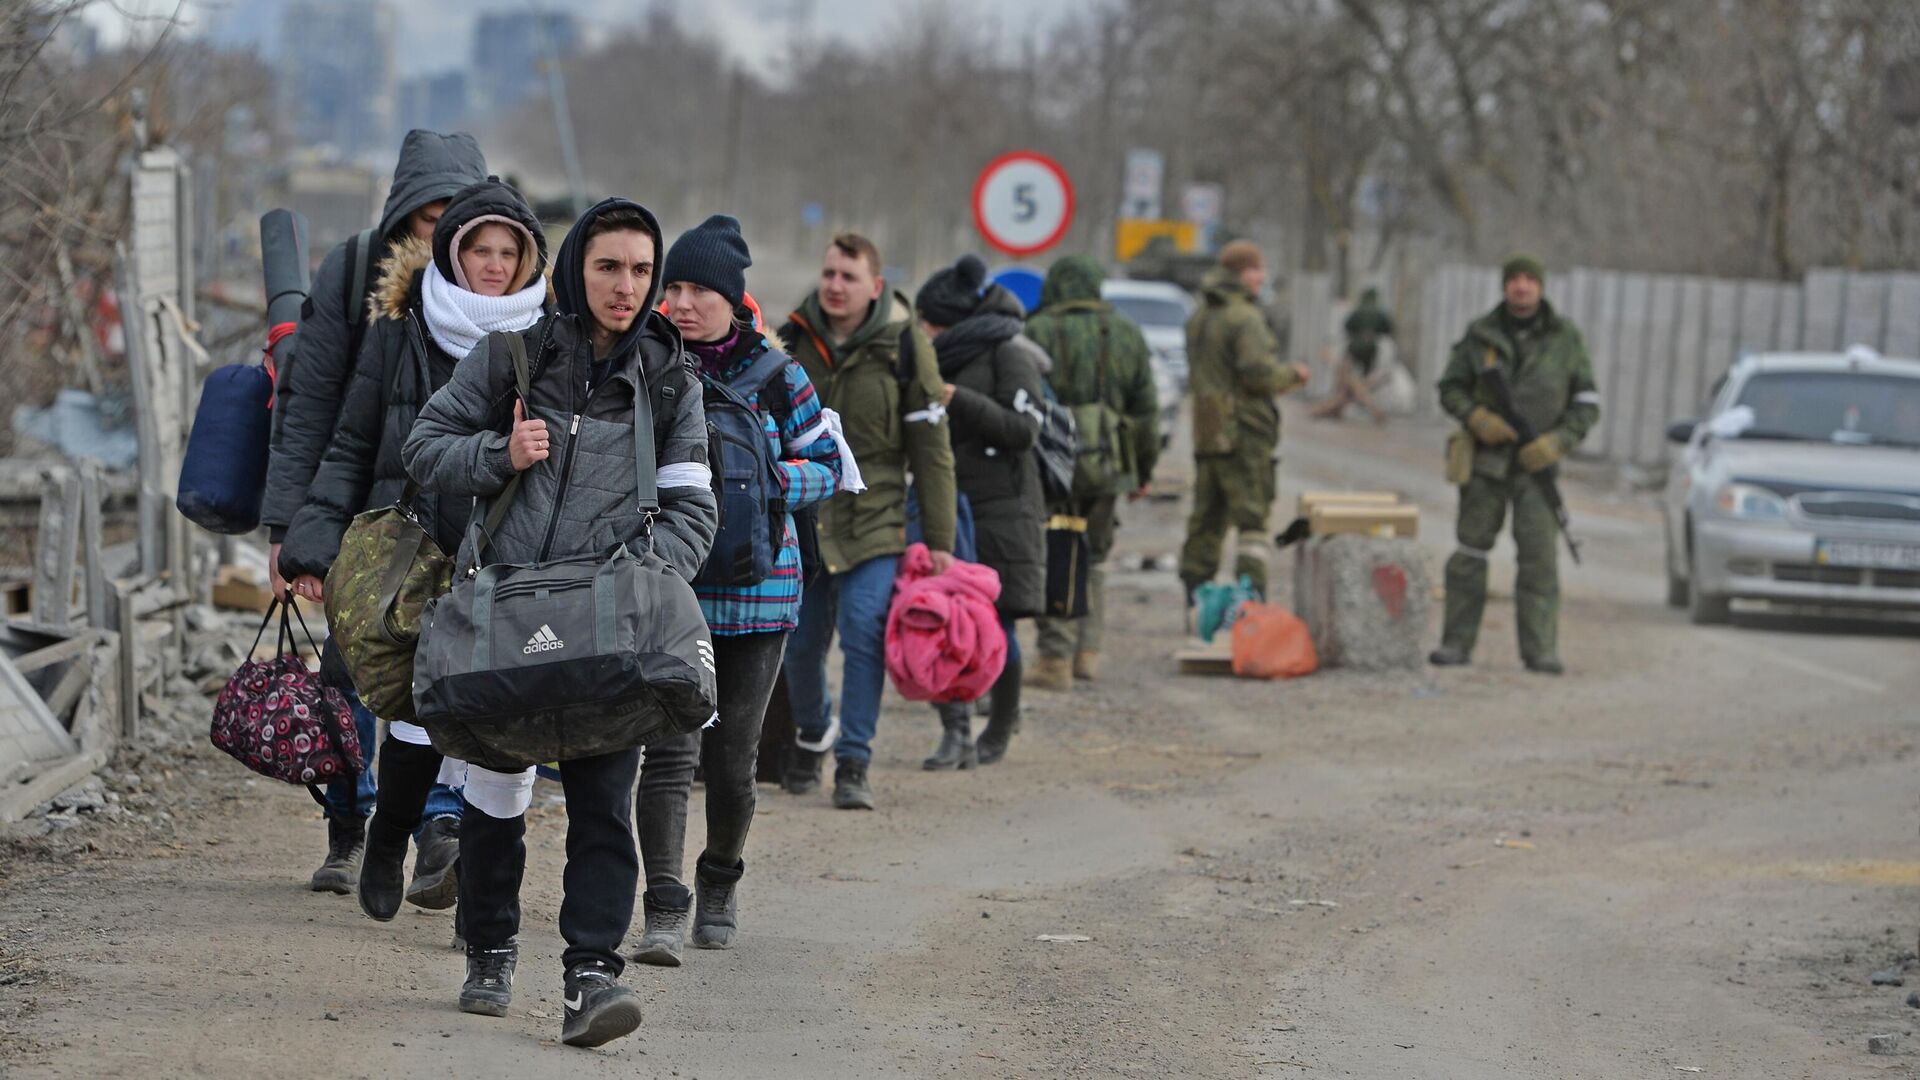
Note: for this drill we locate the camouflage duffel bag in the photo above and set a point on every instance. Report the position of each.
(387, 570)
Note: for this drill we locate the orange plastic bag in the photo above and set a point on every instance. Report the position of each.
(1270, 642)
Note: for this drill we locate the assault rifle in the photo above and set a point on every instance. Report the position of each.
(1493, 379)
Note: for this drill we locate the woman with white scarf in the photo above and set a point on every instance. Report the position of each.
(433, 303)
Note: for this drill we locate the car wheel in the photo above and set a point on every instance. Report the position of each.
(1703, 608)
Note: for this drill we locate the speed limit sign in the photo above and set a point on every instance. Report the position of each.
(1022, 203)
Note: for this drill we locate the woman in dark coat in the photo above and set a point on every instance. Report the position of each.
(432, 304)
(994, 383)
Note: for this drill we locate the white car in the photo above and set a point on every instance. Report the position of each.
(1160, 309)
(1802, 486)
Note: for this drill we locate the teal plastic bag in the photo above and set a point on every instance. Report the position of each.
(1215, 606)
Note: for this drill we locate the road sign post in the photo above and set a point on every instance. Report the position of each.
(1022, 203)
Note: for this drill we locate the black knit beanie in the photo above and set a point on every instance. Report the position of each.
(712, 254)
(952, 294)
(1523, 264)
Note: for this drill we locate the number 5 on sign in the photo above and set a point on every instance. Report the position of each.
(1023, 203)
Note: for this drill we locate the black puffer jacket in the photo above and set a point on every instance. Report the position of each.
(996, 374)
(314, 385)
(400, 366)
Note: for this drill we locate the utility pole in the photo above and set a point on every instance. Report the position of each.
(562, 115)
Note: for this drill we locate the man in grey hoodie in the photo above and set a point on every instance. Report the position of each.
(432, 168)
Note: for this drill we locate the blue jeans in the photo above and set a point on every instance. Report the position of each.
(856, 604)
(354, 798)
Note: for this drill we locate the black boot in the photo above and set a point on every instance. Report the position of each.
(1004, 722)
(850, 790)
(1448, 656)
(803, 772)
(345, 841)
(436, 880)
(715, 913)
(406, 772)
(667, 907)
(956, 739)
(489, 987)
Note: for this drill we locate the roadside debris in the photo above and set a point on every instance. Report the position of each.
(1889, 977)
(1520, 845)
(1883, 1044)
(1314, 903)
(1063, 937)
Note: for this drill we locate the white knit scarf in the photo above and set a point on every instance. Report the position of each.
(459, 319)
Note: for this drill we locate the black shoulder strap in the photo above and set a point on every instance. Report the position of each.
(497, 513)
(360, 257)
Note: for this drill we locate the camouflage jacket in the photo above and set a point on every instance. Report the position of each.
(1548, 371)
(1098, 354)
(1234, 364)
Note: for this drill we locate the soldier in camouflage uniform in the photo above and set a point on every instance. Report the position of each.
(1551, 378)
(1100, 358)
(1234, 363)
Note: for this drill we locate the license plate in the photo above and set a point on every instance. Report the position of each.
(1868, 553)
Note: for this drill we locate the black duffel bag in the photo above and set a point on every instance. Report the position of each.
(561, 660)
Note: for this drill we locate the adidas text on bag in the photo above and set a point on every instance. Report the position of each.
(543, 640)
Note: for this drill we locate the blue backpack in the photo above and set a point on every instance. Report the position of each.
(753, 513)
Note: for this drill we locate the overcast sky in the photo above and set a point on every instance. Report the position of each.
(757, 31)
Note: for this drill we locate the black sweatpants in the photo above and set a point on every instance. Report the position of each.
(602, 873)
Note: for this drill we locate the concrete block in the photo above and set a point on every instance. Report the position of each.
(1365, 599)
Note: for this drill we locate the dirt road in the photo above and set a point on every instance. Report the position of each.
(1691, 853)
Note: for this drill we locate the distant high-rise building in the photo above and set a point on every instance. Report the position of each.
(434, 102)
(510, 50)
(336, 72)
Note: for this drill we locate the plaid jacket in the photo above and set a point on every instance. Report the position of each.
(808, 474)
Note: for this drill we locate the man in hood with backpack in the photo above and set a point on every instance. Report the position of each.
(602, 354)
(431, 170)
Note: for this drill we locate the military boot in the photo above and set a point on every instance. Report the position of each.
(1546, 665)
(716, 905)
(1051, 673)
(341, 870)
(1086, 665)
(436, 878)
(1448, 656)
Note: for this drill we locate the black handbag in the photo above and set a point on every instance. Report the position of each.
(1068, 564)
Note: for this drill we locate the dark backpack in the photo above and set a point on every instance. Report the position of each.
(753, 513)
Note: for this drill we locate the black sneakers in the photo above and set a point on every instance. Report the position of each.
(599, 1010)
(341, 870)
(489, 988)
(435, 882)
(803, 772)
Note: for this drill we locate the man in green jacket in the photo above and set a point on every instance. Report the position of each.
(1102, 371)
(875, 368)
(1551, 379)
(1234, 364)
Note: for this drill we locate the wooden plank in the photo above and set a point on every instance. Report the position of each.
(1823, 304)
(91, 549)
(1903, 316)
(19, 798)
(66, 693)
(28, 732)
(1863, 314)
(1602, 332)
(1717, 341)
(128, 627)
(58, 652)
(56, 547)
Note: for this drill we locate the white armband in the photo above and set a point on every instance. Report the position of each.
(829, 426)
(684, 474)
